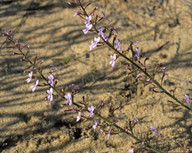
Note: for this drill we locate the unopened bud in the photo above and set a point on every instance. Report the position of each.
(87, 5)
(101, 130)
(164, 68)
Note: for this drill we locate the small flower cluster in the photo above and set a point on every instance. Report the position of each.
(136, 53)
(186, 97)
(117, 42)
(68, 97)
(33, 87)
(102, 34)
(154, 131)
(51, 82)
(87, 24)
(113, 58)
(90, 113)
(94, 43)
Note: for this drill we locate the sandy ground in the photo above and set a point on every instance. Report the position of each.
(29, 124)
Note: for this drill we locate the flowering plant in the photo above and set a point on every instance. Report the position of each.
(106, 35)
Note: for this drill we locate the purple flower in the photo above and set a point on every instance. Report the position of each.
(35, 85)
(101, 130)
(105, 37)
(79, 116)
(50, 95)
(68, 97)
(77, 13)
(94, 43)
(73, 110)
(154, 131)
(100, 33)
(30, 77)
(138, 76)
(186, 97)
(117, 42)
(91, 109)
(95, 125)
(88, 27)
(51, 80)
(109, 134)
(88, 20)
(53, 67)
(21, 46)
(113, 58)
(131, 151)
(97, 39)
(9, 33)
(148, 80)
(136, 53)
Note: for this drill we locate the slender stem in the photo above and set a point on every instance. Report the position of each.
(136, 65)
(41, 74)
(129, 134)
(96, 114)
(147, 74)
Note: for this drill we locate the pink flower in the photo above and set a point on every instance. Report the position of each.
(35, 85)
(113, 58)
(73, 110)
(95, 125)
(100, 33)
(79, 116)
(91, 109)
(94, 43)
(97, 39)
(88, 27)
(88, 20)
(138, 76)
(30, 77)
(53, 67)
(51, 80)
(154, 131)
(186, 97)
(109, 134)
(68, 97)
(117, 42)
(136, 53)
(77, 13)
(131, 151)
(50, 95)
(9, 33)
